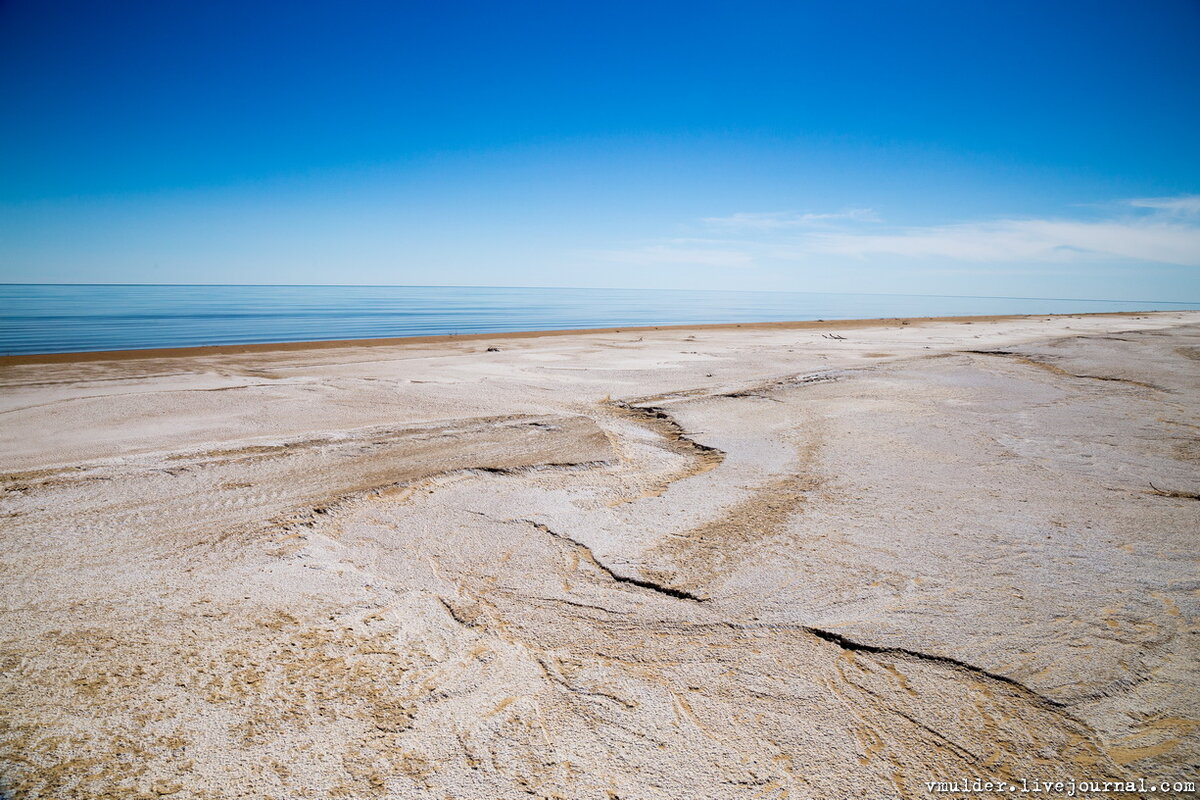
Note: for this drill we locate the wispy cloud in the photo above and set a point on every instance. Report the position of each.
(1166, 235)
(1183, 204)
(663, 254)
(1028, 240)
(780, 220)
(1159, 230)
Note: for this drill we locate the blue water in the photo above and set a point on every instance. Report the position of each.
(41, 318)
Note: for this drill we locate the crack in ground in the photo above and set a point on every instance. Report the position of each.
(669, 591)
(666, 425)
(861, 647)
(832, 637)
(1033, 362)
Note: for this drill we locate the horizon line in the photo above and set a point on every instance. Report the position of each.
(612, 289)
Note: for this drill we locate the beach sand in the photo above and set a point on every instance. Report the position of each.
(812, 560)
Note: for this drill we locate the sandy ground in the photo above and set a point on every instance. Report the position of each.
(755, 562)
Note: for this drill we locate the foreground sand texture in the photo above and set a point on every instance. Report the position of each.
(720, 563)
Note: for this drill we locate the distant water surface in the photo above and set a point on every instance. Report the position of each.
(43, 318)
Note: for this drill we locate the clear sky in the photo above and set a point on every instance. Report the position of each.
(1003, 148)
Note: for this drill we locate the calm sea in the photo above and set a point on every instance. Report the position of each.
(40, 318)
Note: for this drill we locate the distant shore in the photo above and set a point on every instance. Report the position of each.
(328, 344)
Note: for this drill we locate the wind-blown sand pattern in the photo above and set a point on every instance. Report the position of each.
(740, 562)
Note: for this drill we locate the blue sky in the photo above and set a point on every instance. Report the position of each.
(1020, 149)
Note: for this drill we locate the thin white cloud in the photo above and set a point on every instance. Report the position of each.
(780, 220)
(1161, 230)
(1183, 204)
(662, 254)
(1009, 241)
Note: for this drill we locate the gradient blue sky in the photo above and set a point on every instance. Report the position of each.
(1015, 148)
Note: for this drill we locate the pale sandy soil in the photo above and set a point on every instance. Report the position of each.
(750, 562)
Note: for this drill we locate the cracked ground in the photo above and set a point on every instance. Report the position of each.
(706, 563)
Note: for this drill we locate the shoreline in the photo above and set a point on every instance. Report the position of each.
(85, 356)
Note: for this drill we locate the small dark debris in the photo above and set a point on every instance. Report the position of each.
(1173, 493)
